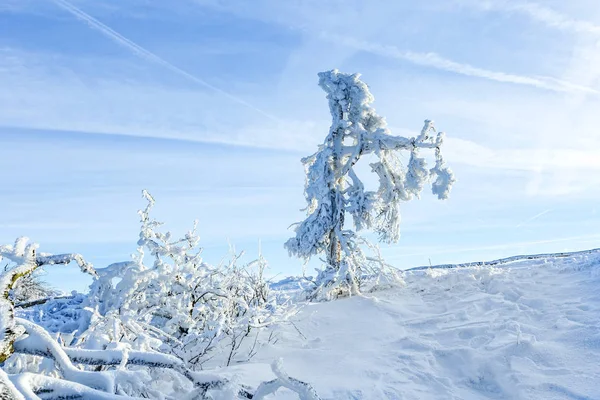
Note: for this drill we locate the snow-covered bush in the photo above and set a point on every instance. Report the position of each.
(333, 190)
(196, 311)
(116, 356)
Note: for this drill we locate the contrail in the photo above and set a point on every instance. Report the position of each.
(436, 61)
(532, 218)
(149, 56)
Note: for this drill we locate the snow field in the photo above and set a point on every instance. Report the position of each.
(523, 330)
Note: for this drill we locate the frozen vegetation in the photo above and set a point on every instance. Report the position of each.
(520, 328)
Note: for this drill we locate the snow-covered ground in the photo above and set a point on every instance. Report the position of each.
(524, 329)
(527, 327)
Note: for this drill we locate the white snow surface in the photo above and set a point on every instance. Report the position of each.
(524, 329)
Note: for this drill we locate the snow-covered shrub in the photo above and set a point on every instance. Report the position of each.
(116, 369)
(333, 190)
(181, 305)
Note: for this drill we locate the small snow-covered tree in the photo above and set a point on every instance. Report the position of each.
(333, 190)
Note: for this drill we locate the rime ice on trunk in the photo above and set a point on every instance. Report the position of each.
(333, 189)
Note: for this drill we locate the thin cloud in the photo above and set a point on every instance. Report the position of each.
(521, 159)
(542, 14)
(41, 95)
(504, 246)
(149, 56)
(436, 61)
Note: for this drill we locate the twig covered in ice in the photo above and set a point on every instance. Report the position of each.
(303, 389)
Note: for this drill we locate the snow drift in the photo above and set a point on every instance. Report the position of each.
(520, 329)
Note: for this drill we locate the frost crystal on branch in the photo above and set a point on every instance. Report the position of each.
(334, 190)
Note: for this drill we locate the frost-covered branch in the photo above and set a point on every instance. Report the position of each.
(37, 386)
(36, 344)
(7, 389)
(303, 389)
(27, 260)
(88, 383)
(33, 303)
(39, 343)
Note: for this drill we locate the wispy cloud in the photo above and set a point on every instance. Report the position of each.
(51, 93)
(436, 61)
(539, 13)
(522, 159)
(503, 246)
(150, 56)
(552, 172)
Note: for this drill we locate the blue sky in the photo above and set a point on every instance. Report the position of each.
(211, 104)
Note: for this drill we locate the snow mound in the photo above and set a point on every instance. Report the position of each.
(522, 329)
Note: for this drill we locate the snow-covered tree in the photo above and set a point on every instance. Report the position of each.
(333, 190)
